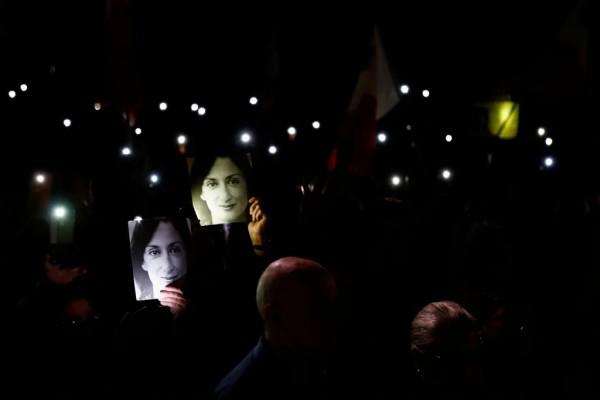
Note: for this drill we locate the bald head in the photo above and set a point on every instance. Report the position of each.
(294, 298)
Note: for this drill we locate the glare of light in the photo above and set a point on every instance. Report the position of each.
(195, 107)
(396, 180)
(382, 137)
(201, 111)
(67, 122)
(97, 106)
(137, 218)
(404, 89)
(40, 178)
(138, 131)
(253, 100)
(548, 141)
(153, 178)
(291, 130)
(12, 94)
(316, 124)
(272, 149)
(541, 131)
(408, 127)
(181, 139)
(59, 211)
(548, 161)
(446, 174)
(245, 138)
(23, 87)
(425, 93)
(448, 138)
(162, 106)
(126, 151)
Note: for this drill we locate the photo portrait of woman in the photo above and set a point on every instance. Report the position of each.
(220, 183)
(159, 255)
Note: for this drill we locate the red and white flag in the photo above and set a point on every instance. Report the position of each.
(375, 95)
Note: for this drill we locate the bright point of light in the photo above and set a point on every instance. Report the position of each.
(153, 178)
(181, 139)
(382, 137)
(201, 111)
(446, 174)
(291, 130)
(59, 211)
(404, 89)
(316, 124)
(12, 94)
(548, 141)
(246, 137)
(448, 138)
(548, 161)
(195, 107)
(126, 151)
(97, 106)
(67, 122)
(138, 131)
(408, 127)
(272, 149)
(396, 180)
(253, 100)
(425, 93)
(137, 218)
(162, 106)
(541, 131)
(23, 87)
(40, 178)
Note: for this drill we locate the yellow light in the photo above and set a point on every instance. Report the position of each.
(503, 119)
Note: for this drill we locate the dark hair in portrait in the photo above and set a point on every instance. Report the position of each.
(221, 182)
(141, 233)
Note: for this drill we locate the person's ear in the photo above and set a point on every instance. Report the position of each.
(144, 267)
(202, 196)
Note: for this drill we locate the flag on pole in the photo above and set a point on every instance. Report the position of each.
(374, 96)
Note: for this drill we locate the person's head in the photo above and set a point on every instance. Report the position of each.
(159, 254)
(444, 346)
(220, 183)
(295, 298)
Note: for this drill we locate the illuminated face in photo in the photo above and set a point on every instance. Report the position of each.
(225, 192)
(165, 257)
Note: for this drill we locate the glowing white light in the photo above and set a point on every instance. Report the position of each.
(126, 151)
(316, 124)
(195, 107)
(97, 106)
(246, 137)
(201, 111)
(162, 106)
(404, 89)
(548, 141)
(23, 87)
(541, 131)
(138, 131)
(548, 161)
(448, 138)
(425, 93)
(153, 178)
(67, 122)
(253, 100)
(181, 139)
(382, 137)
(408, 127)
(272, 149)
(59, 211)
(396, 180)
(137, 218)
(291, 130)
(12, 94)
(40, 178)
(446, 174)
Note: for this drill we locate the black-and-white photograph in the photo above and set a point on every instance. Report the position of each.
(159, 254)
(220, 183)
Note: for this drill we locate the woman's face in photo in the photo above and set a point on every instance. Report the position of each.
(225, 192)
(165, 256)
